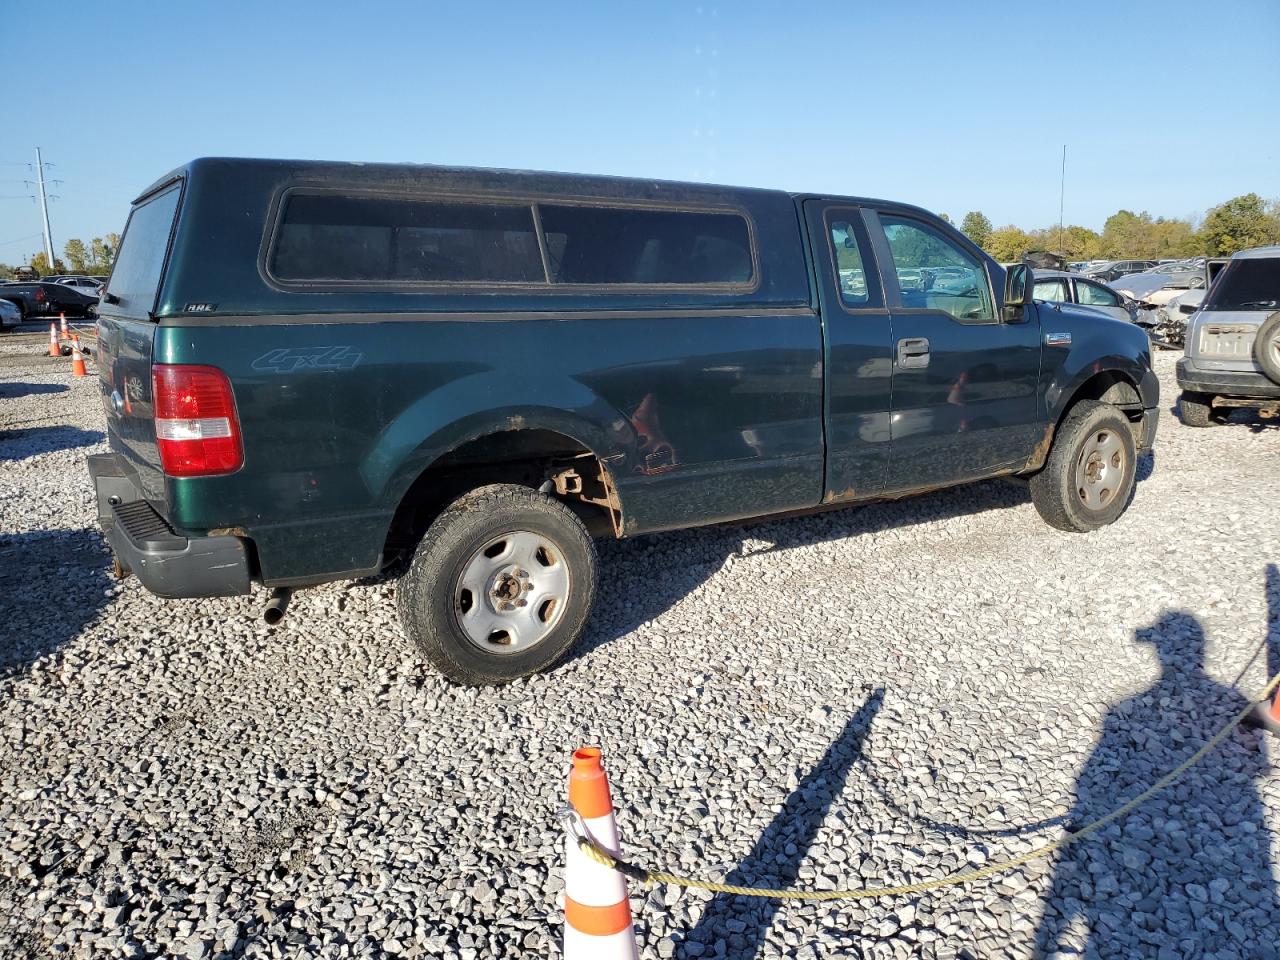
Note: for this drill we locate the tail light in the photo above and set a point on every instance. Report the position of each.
(40, 297)
(197, 430)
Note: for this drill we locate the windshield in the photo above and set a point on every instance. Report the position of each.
(1247, 285)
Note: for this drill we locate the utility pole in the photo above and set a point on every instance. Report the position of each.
(1062, 196)
(44, 209)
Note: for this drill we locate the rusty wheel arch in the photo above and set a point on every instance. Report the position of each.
(1106, 386)
(546, 460)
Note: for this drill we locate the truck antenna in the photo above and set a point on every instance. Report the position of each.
(1062, 195)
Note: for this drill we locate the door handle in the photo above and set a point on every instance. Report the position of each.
(913, 352)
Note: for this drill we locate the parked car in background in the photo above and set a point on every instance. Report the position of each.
(1115, 269)
(10, 316)
(331, 370)
(1175, 275)
(1233, 341)
(43, 299)
(85, 284)
(1060, 286)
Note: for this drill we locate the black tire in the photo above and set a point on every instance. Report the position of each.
(431, 605)
(1055, 491)
(1266, 347)
(1195, 409)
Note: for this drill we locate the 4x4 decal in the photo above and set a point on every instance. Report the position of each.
(289, 359)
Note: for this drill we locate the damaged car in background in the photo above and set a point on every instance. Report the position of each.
(1233, 342)
(1172, 317)
(1062, 286)
(1152, 291)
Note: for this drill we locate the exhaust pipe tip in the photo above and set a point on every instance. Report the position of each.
(277, 606)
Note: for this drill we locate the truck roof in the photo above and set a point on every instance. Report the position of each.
(411, 174)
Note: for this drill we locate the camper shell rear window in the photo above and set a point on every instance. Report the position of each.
(135, 277)
(325, 239)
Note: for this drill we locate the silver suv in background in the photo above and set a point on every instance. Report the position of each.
(1233, 341)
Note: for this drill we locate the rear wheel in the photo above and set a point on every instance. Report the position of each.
(1266, 347)
(1088, 480)
(500, 587)
(1195, 409)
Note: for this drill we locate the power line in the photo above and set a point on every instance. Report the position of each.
(30, 236)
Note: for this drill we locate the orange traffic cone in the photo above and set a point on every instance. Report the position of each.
(54, 349)
(597, 913)
(77, 358)
(63, 318)
(1266, 716)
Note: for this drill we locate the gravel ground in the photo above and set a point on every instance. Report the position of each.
(876, 695)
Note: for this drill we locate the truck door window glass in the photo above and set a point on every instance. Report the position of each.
(610, 245)
(375, 239)
(936, 274)
(1094, 295)
(1051, 291)
(135, 279)
(851, 274)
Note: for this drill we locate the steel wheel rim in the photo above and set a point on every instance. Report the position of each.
(512, 592)
(1274, 349)
(1100, 469)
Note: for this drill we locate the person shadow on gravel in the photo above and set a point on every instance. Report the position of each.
(1188, 873)
(736, 927)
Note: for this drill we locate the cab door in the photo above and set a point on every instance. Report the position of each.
(966, 403)
(857, 355)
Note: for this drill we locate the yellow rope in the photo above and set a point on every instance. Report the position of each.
(589, 848)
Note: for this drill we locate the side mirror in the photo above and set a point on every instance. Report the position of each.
(1018, 285)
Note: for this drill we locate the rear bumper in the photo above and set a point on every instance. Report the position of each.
(1225, 383)
(168, 564)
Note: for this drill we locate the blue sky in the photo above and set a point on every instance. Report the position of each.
(1168, 107)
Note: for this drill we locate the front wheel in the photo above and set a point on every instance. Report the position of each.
(1089, 478)
(500, 587)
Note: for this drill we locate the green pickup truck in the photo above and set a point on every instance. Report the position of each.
(313, 370)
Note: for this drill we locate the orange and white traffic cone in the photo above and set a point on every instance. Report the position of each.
(77, 359)
(62, 317)
(1266, 716)
(597, 913)
(54, 349)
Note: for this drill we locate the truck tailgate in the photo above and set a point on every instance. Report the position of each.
(126, 335)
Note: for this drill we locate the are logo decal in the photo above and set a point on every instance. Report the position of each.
(292, 359)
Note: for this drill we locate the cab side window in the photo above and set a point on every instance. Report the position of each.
(934, 273)
(1093, 294)
(1051, 291)
(857, 289)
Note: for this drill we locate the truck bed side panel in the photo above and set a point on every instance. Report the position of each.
(700, 417)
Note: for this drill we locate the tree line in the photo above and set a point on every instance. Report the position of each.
(1242, 222)
(94, 258)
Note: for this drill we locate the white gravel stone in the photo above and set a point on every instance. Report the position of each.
(879, 695)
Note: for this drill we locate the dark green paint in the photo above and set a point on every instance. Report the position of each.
(705, 407)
